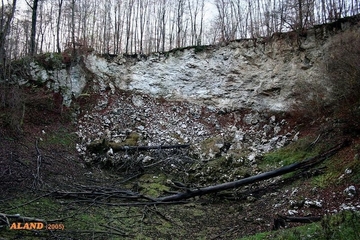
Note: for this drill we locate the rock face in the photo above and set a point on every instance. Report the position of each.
(223, 100)
(273, 73)
(240, 75)
(263, 74)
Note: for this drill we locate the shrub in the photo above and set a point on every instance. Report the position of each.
(49, 61)
(343, 67)
(343, 71)
(12, 108)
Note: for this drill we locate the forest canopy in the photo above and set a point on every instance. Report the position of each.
(30, 27)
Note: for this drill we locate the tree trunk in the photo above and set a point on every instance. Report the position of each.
(3, 34)
(58, 27)
(103, 146)
(263, 176)
(33, 28)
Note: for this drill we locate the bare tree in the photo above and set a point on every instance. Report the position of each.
(129, 11)
(179, 21)
(34, 9)
(60, 3)
(143, 5)
(73, 27)
(144, 26)
(7, 14)
(118, 27)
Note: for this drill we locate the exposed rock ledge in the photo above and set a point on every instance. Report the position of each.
(236, 76)
(271, 74)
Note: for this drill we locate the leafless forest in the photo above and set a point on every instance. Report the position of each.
(29, 27)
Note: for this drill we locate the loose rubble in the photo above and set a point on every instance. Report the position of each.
(157, 122)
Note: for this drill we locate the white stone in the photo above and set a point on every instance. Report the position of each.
(252, 157)
(292, 212)
(344, 206)
(350, 191)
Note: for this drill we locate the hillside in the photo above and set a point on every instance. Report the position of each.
(243, 109)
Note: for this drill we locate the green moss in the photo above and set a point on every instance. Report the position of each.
(344, 225)
(211, 145)
(197, 49)
(355, 168)
(178, 138)
(164, 228)
(292, 153)
(131, 140)
(62, 137)
(19, 65)
(326, 179)
(49, 61)
(153, 185)
(75, 217)
(41, 208)
(200, 48)
(198, 212)
(335, 172)
(154, 189)
(220, 169)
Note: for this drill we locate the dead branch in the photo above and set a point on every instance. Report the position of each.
(104, 146)
(130, 204)
(117, 148)
(301, 219)
(281, 221)
(99, 194)
(306, 164)
(119, 231)
(102, 195)
(103, 233)
(37, 176)
(33, 200)
(10, 218)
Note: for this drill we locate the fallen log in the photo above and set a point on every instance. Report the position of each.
(118, 148)
(8, 219)
(103, 146)
(281, 221)
(301, 219)
(308, 163)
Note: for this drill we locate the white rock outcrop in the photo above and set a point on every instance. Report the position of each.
(236, 76)
(258, 74)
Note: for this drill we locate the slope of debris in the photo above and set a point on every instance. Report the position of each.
(156, 122)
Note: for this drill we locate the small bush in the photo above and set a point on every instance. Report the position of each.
(344, 225)
(311, 101)
(50, 61)
(343, 71)
(343, 67)
(12, 108)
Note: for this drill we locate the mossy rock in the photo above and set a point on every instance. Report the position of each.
(131, 140)
(212, 146)
(98, 146)
(50, 61)
(222, 169)
(102, 146)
